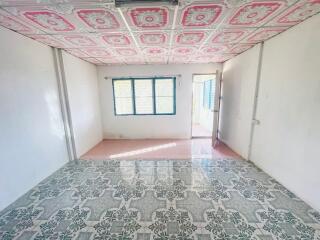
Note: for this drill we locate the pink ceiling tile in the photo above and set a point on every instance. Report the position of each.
(48, 40)
(297, 13)
(179, 59)
(201, 15)
(77, 52)
(157, 60)
(80, 41)
(155, 51)
(99, 19)
(4, 3)
(214, 49)
(9, 21)
(70, 18)
(117, 39)
(92, 60)
(111, 60)
(49, 21)
(223, 57)
(201, 59)
(263, 34)
(228, 36)
(148, 18)
(126, 51)
(97, 52)
(43, 18)
(255, 13)
(212, 59)
(190, 37)
(183, 51)
(47, 2)
(134, 60)
(153, 38)
(239, 48)
(95, 31)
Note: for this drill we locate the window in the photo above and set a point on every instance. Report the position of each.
(144, 96)
(208, 94)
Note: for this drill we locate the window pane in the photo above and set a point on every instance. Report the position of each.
(140, 96)
(164, 87)
(206, 94)
(124, 105)
(164, 91)
(143, 96)
(123, 96)
(143, 87)
(213, 93)
(164, 105)
(144, 105)
(122, 88)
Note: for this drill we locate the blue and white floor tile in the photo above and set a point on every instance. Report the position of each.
(196, 199)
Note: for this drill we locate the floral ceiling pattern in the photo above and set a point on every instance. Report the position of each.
(192, 32)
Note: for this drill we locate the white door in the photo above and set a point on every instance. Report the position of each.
(216, 109)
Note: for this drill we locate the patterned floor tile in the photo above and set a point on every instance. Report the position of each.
(279, 224)
(228, 224)
(129, 190)
(295, 206)
(84, 236)
(173, 223)
(252, 189)
(218, 173)
(248, 208)
(27, 235)
(170, 190)
(52, 205)
(147, 205)
(99, 205)
(215, 191)
(257, 174)
(121, 223)
(195, 206)
(196, 199)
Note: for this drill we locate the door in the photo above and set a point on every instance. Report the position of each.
(216, 110)
(203, 105)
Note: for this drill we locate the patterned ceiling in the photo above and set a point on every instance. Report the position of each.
(193, 32)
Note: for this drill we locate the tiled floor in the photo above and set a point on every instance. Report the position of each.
(197, 199)
(200, 131)
(158, 149)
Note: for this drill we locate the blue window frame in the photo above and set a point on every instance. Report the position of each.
(208, 94)
(144, 96)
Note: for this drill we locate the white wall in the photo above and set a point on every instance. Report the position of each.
(171, 126)
(286, 144)
(83, 94)
(238, 88)
(32, 138)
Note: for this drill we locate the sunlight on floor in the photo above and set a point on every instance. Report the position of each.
(143, 150)
(158, 149)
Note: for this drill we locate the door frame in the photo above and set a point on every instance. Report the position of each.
(192, 97)
(216, 110)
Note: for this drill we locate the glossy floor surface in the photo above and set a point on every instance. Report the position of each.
(200, 131)
(158, 149)
(197, 199)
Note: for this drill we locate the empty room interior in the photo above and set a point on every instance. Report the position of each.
(160, 119)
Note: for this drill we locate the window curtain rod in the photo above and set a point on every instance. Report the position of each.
(145, 76)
